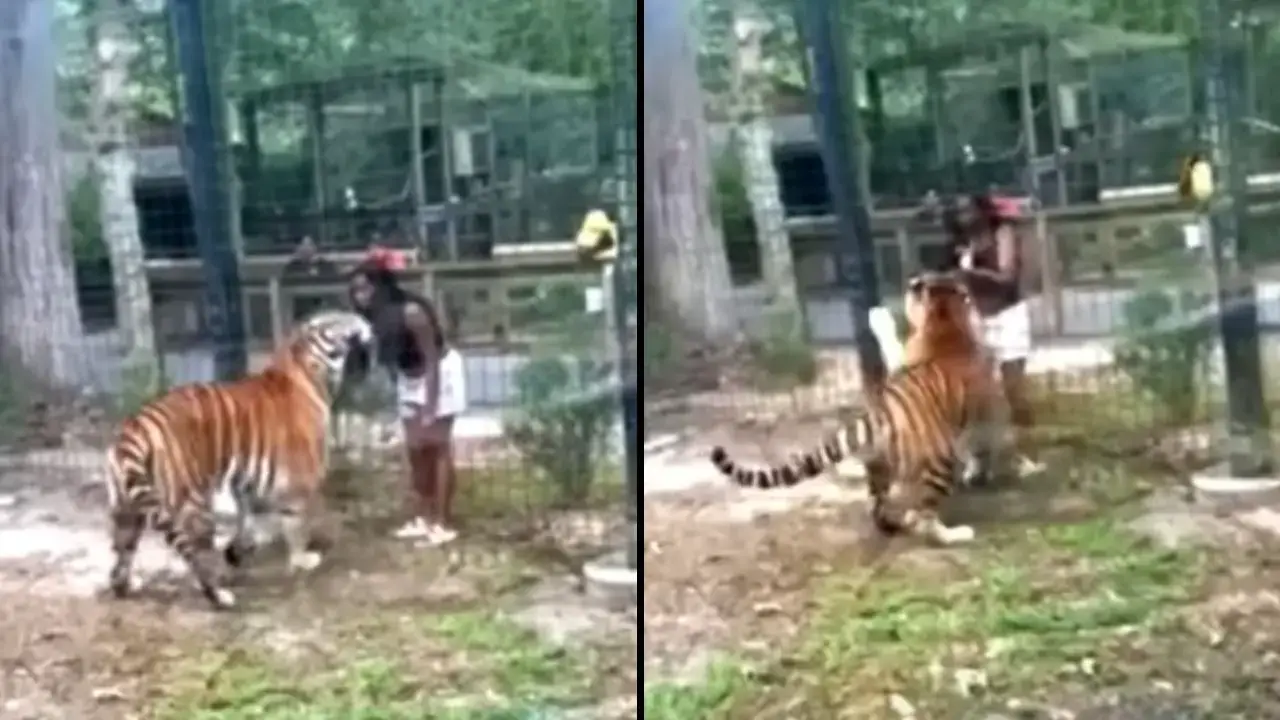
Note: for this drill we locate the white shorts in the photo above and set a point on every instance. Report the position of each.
(1008, 333)
(411, 393)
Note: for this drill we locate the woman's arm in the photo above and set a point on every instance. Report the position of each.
(1007, 259)
(425, 334)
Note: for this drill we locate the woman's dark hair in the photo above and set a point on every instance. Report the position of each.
(964, 222)
(385, 311)
(386, 287)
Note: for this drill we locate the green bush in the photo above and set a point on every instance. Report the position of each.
(565, 409)
(1166, 342)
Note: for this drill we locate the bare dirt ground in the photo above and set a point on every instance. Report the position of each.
(495, 625)
(1097, 589)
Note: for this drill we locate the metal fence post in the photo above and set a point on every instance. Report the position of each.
(204, 135)
(624, 276)
(836, 123)
(1222, 33)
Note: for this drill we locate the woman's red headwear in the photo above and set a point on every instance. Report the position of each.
(1003, 207)
(386, 258)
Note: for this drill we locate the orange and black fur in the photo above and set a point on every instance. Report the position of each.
(263, 439)
(920, 430)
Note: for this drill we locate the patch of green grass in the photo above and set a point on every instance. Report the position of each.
(461, 666)
(709, 699)
(1026, 608)
(513, 491)
(513, 660)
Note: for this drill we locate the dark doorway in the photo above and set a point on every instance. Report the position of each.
(166, 220)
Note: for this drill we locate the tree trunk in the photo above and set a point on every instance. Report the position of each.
(753, 141)
(113, 52)
(686, 268)
(39, 316)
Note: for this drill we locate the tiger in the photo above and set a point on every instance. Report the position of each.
(918, 431)
(261, 439)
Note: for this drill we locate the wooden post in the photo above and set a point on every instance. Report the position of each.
(252, 140)
(417, 175)
(1095, 111)
(1027, 110)
(937, 113)
(875, 94)
(319, 190)
(609, 306)
(445, 143)
(429, 284)
(1055, 119)
(1049, 267)
(276, 303)
(906, 258)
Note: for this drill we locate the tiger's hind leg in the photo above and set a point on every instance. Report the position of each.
(191, 535)
(928, 525)
(296, 526)
(908, 504)
(127, 526)
(244, 542)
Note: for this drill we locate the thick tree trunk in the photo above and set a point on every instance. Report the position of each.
(113, 51)
(39, 317)
(753, 141)
(686, 268)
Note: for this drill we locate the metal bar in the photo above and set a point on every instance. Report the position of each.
(417, 172)
(1247, 416)
(823, 34)
(205, 135)
(625, 275)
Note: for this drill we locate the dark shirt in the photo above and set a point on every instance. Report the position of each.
(995, 295)
(398, 347)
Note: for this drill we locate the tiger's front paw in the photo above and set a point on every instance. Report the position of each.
(305, 561)
(236, 552)
(975, 473)
(957, 535)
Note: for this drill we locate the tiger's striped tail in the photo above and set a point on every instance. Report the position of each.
(850, 440)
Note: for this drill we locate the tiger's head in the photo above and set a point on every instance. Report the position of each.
(941, 316)
(336, 346)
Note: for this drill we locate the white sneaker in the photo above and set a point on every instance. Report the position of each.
(1028, 467)
(415, 529)
(439, 534)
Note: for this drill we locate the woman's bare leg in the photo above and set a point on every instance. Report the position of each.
(442, 446)
(424, 483)
(1013, 377)
(446, 472)
(422, 510)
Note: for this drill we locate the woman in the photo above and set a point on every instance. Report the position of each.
(985, 245)
(430, 390)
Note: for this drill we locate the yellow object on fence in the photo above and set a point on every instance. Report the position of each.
(1195, 181)
(597, 239)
